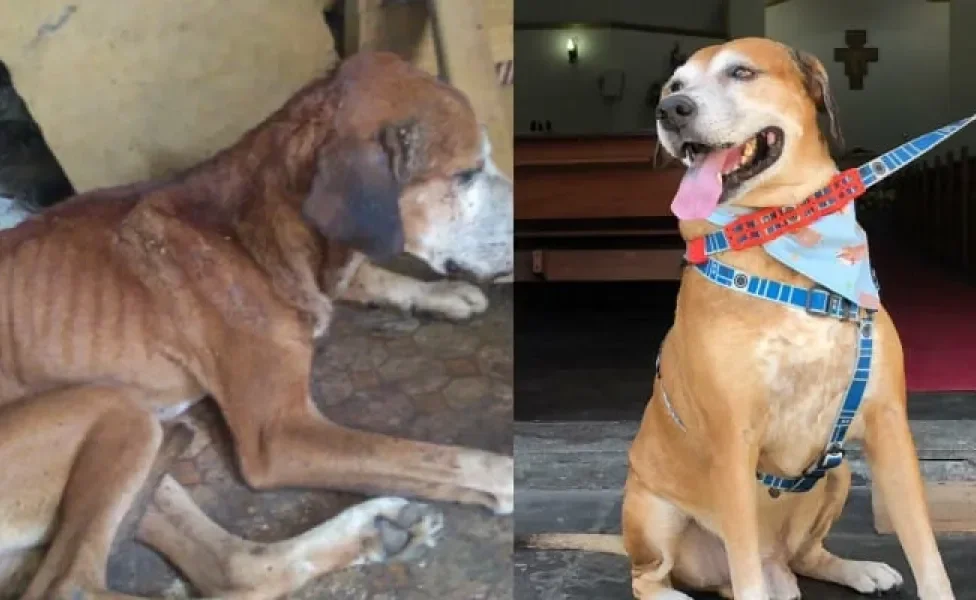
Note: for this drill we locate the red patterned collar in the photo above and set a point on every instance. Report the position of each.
(767, 224)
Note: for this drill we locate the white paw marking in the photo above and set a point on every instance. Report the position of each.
(871, 577)
(491, 474)
(671, 595)
(505, 496)
(394, 528)
(453, 299)
(780, 581)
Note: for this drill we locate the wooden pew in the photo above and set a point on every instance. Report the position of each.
(594, 208)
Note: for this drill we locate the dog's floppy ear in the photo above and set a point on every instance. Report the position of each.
(818, 87)
(355, 194)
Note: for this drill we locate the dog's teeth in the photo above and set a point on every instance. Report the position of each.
(770, 138)
(749, 149)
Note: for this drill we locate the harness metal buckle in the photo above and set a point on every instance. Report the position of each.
(832, 457)
(834, 305)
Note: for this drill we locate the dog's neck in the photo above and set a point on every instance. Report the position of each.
(276, 157)
(254, 191)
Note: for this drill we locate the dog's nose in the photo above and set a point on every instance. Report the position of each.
(674, 112)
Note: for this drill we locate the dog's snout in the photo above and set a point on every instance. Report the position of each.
(674, 112)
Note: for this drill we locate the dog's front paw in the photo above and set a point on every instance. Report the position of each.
(491, 479)
(672, 595)
(504, 474)
(871, 577)
(780, 581)
(456, 300)
(400, 530)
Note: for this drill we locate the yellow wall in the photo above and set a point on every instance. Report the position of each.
(126, 91)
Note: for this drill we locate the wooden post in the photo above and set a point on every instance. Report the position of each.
(971, 219)
(465, 57)
(457, 45)
(902, 186)
(935, 199)
(947, 235)
(965, 195)
(399, 27)
(929, 198)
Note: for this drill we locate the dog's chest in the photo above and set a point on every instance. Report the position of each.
(806, 367)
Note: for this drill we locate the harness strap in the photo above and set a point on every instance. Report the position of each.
(819, 302)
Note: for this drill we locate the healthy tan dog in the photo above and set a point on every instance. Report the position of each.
(757, 385)
(122, 307)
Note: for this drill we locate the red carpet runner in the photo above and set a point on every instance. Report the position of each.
(935, 314)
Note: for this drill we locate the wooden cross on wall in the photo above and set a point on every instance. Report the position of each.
(856, 57)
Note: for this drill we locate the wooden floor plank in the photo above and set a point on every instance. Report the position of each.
(591, 456)
(952, 508)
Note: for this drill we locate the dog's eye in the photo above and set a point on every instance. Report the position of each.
(675, 86)
(742, 73)
(467, 176)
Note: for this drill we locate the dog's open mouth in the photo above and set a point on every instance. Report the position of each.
(717, 170)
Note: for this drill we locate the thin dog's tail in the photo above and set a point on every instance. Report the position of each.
(606, 543)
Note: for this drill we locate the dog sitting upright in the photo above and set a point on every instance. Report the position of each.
(748, 383)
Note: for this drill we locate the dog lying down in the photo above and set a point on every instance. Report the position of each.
(122, 307)
(749, 385)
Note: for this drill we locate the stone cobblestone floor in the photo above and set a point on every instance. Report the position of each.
(379, 370)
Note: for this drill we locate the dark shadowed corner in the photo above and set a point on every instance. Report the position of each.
(29, 172)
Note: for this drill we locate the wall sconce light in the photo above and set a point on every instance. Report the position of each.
(572, 48)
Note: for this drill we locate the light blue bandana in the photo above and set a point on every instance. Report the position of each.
(832, 251)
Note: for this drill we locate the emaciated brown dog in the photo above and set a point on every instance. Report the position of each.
(122, 307)
(757, 385)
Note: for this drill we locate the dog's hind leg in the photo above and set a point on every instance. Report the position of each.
(229, 567)
(452, 299)
(73, 461)
(652, 530)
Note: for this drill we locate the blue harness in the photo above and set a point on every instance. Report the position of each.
(821, 302)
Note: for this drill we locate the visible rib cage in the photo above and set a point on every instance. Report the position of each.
(67, 310)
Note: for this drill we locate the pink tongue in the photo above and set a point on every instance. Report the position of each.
(701, 187)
